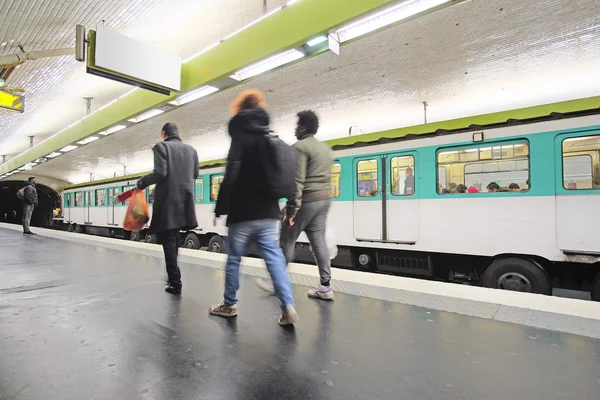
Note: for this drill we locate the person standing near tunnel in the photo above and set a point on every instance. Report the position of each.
(175, 170)
(30, 201)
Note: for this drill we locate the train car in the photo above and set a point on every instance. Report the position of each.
(420, 206)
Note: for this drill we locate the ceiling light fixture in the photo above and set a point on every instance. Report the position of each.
(147, 115)
(68, 148)
(317, 41)
(268, 64)
(52, 155)
(88, 140)
(112, 130)
(256, 21)
(397, 13)
(194, 95)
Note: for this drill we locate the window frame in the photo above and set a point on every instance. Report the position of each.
(479, 145)
(562, 163)
(211, 177)
(369, 158)
(339, 181)
(390, 174)
(201, 181)
(96, 197)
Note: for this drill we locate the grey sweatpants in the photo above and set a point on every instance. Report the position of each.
(27, 212)
(312, 219)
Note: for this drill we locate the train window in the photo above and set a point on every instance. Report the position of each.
(581, 163)
(117, 191)
(151, 190)
(111, 196)
(367, 178)
(199, 190)
(499, 168)
(68, 200)
(87, 199)
(100, 197)
(402, 177)
(336, 173)
(78, 199)
(215, 185)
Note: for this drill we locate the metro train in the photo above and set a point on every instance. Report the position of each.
(419, 205)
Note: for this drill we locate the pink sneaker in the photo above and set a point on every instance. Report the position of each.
(321, 292)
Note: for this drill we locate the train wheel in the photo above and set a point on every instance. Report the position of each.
(517, 274)
(191, 241)
(70, 228)
(135, 236)
(216, 244)
(78, 229)
(595, 290)
(151, 238)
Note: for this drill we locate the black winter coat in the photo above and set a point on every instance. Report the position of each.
(175, 171)
(30, 196)
(241, 195)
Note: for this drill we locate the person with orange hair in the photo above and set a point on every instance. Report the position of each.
(251, 214)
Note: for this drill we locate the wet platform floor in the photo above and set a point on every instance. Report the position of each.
(85, 322)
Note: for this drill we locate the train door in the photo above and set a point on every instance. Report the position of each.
(402, 207)
(88, 205)
(110, 209)
(577, 181)
(385, 207)
(367, 197)
(67, 201)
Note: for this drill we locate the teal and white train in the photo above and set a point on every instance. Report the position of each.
(542, 233)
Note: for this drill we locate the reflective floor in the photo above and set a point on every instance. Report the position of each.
(84, 322)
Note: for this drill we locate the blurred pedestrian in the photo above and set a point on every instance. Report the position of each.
(306, 211)
(252, 215)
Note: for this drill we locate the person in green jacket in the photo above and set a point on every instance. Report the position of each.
(307, 210)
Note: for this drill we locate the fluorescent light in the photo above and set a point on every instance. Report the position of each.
(20, 169)
(317, 40)
(68, 148)
(204, 50)
(404, 10)
(88, 140)
(194, 95)
(52, 155)
(268, 64)
(267, 15)
(148, 114)
(112, 129)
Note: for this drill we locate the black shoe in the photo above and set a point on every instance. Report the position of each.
(173, 289)
(28, 233)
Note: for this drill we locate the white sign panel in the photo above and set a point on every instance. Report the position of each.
(138, 60)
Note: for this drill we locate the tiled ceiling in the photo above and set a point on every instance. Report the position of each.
(472, 58)
(55, 87)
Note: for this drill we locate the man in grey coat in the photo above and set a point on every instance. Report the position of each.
(307, 210)
(30, 201)
(175, 170)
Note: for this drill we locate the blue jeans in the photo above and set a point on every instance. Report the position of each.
(265, 233)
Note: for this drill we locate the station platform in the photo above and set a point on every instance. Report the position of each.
(82, 318)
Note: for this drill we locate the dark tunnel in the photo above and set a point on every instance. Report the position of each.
(11, 208)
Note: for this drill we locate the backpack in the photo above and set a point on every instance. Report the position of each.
(279, 169)
(21, 194)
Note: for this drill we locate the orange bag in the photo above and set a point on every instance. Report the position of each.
(138, 213)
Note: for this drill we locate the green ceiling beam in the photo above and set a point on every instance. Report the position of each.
(286, 29)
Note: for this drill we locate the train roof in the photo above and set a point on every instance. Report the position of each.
(529, 115)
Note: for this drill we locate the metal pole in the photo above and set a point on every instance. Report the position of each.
(265, 8)
(34, 55)
(3, 158)
(31, 141)
(425, 111)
